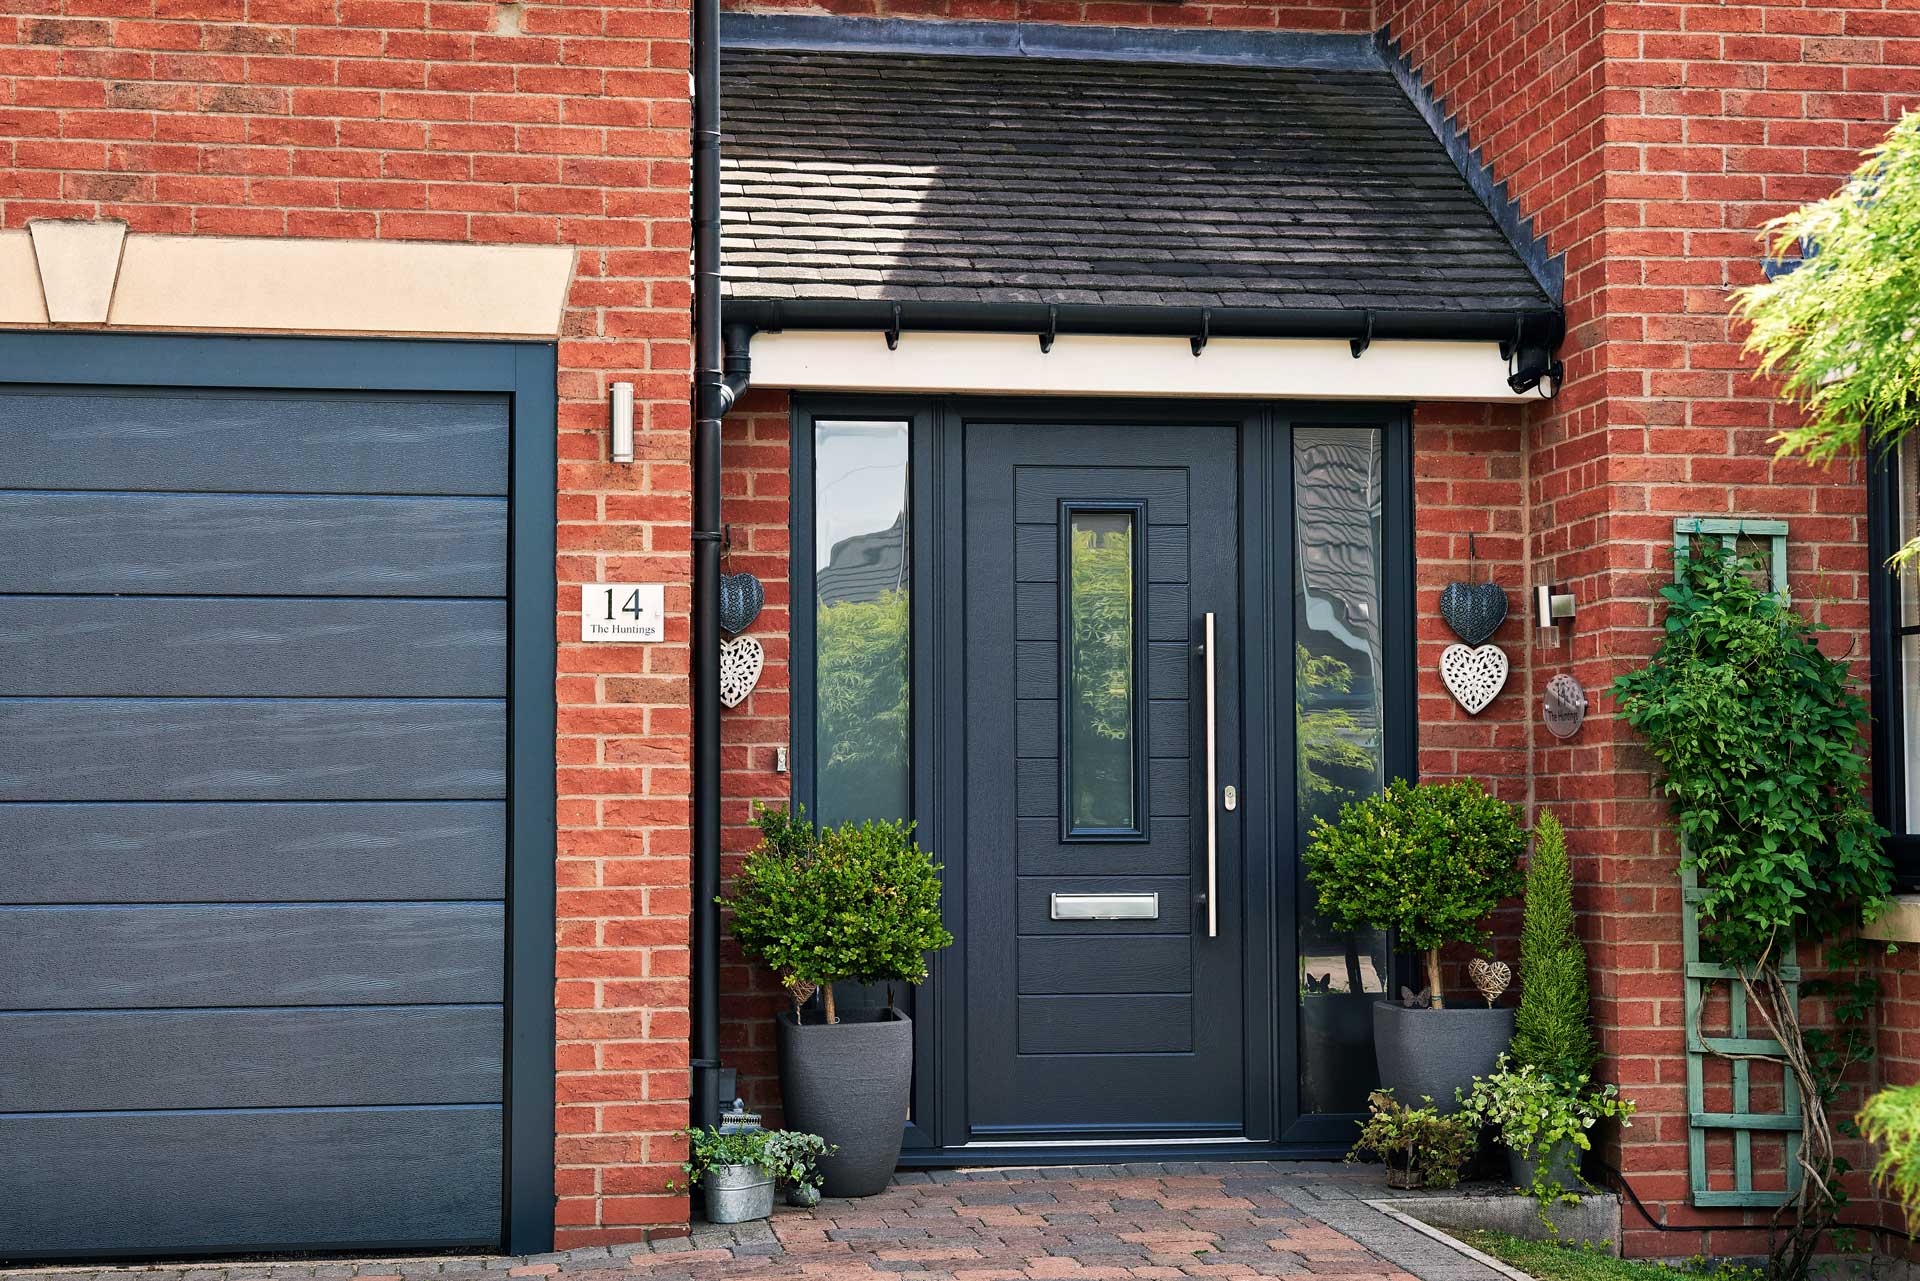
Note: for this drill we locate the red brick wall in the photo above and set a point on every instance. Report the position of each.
(1668, 135)
(754, 501)
(479, 122)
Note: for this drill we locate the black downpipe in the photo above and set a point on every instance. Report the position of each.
(710, 405)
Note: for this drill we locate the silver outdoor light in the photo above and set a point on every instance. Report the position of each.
(1551, 609)
(623, 422)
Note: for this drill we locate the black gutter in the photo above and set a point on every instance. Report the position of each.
(714, 390)
(1543, 322)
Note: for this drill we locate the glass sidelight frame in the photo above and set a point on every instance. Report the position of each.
(936, 1133)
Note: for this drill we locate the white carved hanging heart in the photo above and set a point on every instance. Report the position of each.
(740, 661)
(1474, 675)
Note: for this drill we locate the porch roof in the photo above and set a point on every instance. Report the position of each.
(888, 176)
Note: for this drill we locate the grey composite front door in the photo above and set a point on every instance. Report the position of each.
(1103, 943)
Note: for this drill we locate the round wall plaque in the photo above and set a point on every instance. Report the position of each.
(1565, 707)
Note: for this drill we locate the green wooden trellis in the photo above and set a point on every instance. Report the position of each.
(1702, 974)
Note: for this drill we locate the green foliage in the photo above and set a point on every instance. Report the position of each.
(793, 1156)
(1890, 1120)
(1334, 748)
(1589, 1261)
(818, 905)
(1552, 1029)
(1415, 1140)
(1100, 660)
(1757, 735)
(860, 692)
(1535, 1112)
(786, 1155)
(1429, 860)
(1839, 329)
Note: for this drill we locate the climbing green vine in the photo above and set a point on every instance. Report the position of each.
(1757, 735)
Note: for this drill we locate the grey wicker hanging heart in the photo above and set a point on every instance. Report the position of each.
(1474, 610)
(740, 599)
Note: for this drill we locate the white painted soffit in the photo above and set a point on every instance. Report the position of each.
(1106, 365)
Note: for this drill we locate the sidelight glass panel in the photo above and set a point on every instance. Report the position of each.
(1338, 743)
(863, 644)
(1101, 788)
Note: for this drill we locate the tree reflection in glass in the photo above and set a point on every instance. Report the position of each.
(862, 635)
(1337, 739)
(1100, 660)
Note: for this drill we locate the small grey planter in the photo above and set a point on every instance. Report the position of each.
(737, 1193)
(848, 1083)
(1562, 1164)
(1434, 1052)
(804, 1195)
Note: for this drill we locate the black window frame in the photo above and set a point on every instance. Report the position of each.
(1888, 731)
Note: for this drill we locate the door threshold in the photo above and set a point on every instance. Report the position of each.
(1115, 1152)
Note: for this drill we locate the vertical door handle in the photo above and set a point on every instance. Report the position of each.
(1213, 766)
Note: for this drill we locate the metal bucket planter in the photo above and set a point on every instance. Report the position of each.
(737, 1193)
(848, 1083)
(1562, 1168)
(1425, 1052)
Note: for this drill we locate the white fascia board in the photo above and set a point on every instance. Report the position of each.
(1109, 365)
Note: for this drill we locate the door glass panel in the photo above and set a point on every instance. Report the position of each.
(863, 646)
(1101, 787)
(1338, 675)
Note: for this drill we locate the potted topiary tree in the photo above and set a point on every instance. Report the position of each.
(1429, 861)
(825, 905)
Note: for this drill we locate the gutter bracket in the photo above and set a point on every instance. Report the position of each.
(1359, 345)
(893, 330)
(1053, 330)
(1199, 341)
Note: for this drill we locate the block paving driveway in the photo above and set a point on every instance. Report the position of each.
(1164, 1222)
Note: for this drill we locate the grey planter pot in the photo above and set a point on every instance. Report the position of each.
(737, 1193)
(848, 1083)
(803, 1195)
(1435, 1052)
(1562, 1168)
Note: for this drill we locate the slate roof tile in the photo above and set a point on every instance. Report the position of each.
(894, 177)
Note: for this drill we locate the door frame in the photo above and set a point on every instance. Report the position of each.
(525, 372)
(936, 1135)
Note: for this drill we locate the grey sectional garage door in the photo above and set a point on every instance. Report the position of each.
(253, 819)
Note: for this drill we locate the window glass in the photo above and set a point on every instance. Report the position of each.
(1338, 680)
(1907, 592)
(1101, 787)
(862, 646)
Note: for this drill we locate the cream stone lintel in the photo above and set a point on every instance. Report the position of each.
(282, 285)
(1900, 923)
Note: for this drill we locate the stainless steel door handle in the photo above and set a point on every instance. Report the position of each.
(1212, 792)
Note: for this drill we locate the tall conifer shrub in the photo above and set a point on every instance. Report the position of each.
(1552, 1029)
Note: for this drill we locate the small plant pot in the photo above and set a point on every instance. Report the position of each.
(848, 1083)
(1431, 1053)
(737, 1193)
(803, 1195)
(1562, 1168)
(1403, 1177)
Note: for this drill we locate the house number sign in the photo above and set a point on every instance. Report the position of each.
(623, 612)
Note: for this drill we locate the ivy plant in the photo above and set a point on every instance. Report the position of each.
(1536, 1113)
(1428, 860)
(819, 906)
(1756, 733)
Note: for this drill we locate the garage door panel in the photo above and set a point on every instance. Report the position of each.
(88, 958)
(252, 545)
(340, 1056)
(252, 852)
(160, 1182)
(97, 645)
(291, 442)
(251, 749)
